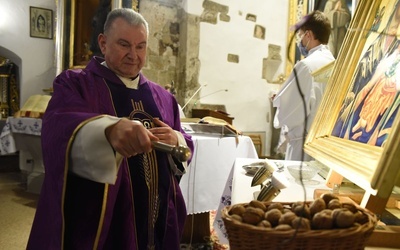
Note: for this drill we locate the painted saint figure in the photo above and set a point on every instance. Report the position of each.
(371, 105)
(339, 15)
(41, 24)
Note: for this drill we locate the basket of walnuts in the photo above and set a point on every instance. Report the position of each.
(325, 223)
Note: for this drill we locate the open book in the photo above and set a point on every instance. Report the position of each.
(34, 107)
(208, 125)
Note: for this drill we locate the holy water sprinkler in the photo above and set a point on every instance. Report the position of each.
(181, 153)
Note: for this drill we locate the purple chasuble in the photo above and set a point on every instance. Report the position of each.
(144, 207)
(149, 191)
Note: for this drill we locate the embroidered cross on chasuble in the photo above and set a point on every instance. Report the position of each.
(149, 172)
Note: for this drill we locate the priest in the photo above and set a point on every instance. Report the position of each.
(105, 186)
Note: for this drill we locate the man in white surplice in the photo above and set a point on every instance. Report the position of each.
(290, 116)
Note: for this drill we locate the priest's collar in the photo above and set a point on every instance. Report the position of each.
(129, 83)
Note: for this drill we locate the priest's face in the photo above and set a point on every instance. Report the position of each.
(124, 48)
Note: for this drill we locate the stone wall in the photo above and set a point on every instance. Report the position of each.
(222, 56)
(173, 50)
(164, 38)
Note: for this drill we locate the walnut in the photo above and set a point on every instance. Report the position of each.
(237, 209)
(343, 218)
(296, 204)
(283, 227)
(273, 216)
(301, 223)
(237, 217)
(333, 204)
(303, 211)
(322, 220)
(275, 205)
(264, 224)
(327, 211)
(361, 217)
(328, 197)
(286, 210)
(252, 215)
(350, 206)
(317, 206)
(258, 204)
(287, 218)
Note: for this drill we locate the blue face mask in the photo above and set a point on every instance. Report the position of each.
(303, 49)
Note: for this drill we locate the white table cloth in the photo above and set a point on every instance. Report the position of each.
(23, 125)
(238, 190)
(23, 135)
(207, 174)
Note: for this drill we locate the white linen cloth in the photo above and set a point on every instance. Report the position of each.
(23, 125)
(206, 176)
(23, 135)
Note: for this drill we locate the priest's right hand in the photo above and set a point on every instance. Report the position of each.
(130, 138)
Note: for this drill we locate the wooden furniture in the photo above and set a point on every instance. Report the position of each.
(374, 203)
(200, 113)
(197, 228)
(385, 236)
(257, 144)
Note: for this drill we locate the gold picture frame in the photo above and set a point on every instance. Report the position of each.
(322, 75)
(297, 10)
(41, 22)
(369, 157)
(76, 19)
(80, 32)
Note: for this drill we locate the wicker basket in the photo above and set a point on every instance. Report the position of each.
(245, 236)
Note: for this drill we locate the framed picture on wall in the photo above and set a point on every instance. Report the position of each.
(357, 129)
(41, 23)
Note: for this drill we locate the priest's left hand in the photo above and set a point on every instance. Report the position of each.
(164, 132)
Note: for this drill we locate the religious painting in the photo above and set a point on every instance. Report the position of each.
(41, 23)
(356, 131)
(297, 10)
(339, 13)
